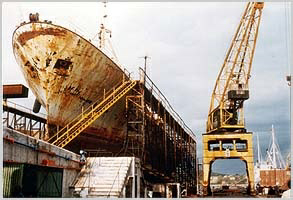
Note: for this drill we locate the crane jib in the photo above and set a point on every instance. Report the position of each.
(231, 88)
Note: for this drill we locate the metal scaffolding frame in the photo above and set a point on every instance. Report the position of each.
(21, 119)
(159, 137)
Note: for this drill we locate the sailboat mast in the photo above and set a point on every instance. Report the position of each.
(258, 150)
(274, 147)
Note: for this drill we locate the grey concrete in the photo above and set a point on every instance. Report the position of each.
(21, 148)
(69, 177)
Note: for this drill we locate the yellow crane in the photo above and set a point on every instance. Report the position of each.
(226, 136)
(231, 88)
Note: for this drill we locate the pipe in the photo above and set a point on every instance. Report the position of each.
(37, 106)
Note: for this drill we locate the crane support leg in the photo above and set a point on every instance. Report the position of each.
(227, 145)
(250, 175)
(207, 168)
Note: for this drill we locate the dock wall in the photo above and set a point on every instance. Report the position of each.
(39, 168)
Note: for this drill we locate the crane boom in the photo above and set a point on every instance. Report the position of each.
(231, 88)
(226, 136)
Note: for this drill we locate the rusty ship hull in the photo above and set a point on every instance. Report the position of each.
(67, 73)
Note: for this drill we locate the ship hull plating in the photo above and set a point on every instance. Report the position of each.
(67, 73)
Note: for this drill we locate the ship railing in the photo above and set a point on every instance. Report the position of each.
(23, 119)
(70, 25)
(114, 91)
(126, 77)
(16, 106)
(149, 84)
(127, 73)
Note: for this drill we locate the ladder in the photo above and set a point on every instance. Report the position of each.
(135, 124)
(91, 114)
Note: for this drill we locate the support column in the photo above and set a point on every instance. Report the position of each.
(175, 146)
(165, 143)
(181, 178)
(133, 178)
(206, 176)
(250, 175)
(206, 162)
(138, 182)
(124, 192)
(178, 190)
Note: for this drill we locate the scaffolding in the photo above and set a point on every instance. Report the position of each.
(159, 137)
(22, 119)
(154, 132)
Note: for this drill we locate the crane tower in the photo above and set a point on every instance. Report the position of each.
(226, 136)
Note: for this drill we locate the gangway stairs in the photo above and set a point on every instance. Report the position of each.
(88, 116)
(103, 177)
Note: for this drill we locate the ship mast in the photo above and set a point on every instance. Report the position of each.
(274, 157)
(274, 148)
(259, 163)
(258, 151)
(105, 34)
(103, 31)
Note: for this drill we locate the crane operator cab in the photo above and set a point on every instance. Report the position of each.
(239, 94)
(236, 97)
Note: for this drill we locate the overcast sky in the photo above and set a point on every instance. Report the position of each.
(187, 43)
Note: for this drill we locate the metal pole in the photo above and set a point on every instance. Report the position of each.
(145, 67)
(145, 61)
(197, 182)
(258, 150)
(138, 183)
(133, 177)
(144, 75)
(274, 148)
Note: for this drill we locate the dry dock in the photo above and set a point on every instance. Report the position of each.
(153, 133)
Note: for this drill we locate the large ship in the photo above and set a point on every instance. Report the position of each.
(69, 76)
(67, 73)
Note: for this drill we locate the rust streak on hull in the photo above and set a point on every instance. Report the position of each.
(67, 73)
(25, 36)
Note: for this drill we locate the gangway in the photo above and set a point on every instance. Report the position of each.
(88, 116)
